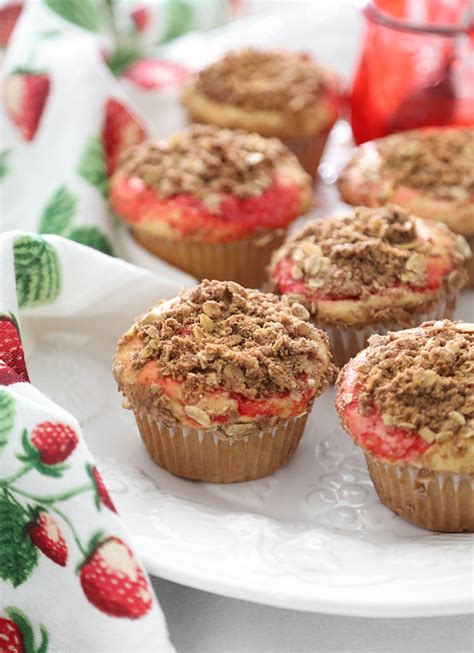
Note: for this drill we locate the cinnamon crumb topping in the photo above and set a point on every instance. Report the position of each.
(221, 335)
(439, 163)
(422, 379)
(205, 161)
(358, 254)
(267, 80)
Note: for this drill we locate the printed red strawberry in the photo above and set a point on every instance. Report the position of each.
(102, 495)
(9, 14)
(25, 94)
(11, 640)
(141, 18)
(7, 375)
(11, 349)
(113, 581)
(45, 533)
(54, 442)
(156, 74)
(17, 634)
(121, 129)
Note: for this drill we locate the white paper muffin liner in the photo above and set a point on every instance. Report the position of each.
(438, 502)
(204, 456)
(243, 261)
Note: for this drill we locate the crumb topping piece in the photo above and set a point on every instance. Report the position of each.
(266, 80)
(205, 161)
(422, 379)
(221, 335)
(358, 254)
(439, 163)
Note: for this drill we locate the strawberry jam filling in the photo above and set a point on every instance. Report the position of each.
(222, 405)
(236, 218)
(370, 432)
(286, 283)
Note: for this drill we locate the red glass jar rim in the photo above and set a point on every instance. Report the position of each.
(376, 15)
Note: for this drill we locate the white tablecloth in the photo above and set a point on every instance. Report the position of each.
(200, 622)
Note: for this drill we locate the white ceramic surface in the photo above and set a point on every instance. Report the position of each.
(312, 537)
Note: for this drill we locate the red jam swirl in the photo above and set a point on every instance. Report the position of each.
(286, 283)
(370, 432)
(237, 218)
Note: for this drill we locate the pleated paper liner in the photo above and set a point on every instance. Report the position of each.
(470, 263)
(202, 455)
(309, 150)
(438, 502)
(243, 261)
(346, 343)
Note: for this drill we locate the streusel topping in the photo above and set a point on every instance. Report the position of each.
(422, 379)
(204, 161)
(221, 335)
(439, 163)
(357, 254)
(266, 80)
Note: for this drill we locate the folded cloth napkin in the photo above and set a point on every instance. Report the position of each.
(79, 86)
(69, 579)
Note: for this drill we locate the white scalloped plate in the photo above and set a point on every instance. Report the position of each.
(312, 536)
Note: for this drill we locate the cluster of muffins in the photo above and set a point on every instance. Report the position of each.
(221, 379)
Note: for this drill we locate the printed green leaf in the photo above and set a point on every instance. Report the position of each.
(37, 271)
(123, 57)
(4, 168)
(92, 166)
(179, 15)
(26, 629)
(80, 12)
(18, 555)
(93, 237)
(7, 416)
(58, 213)
(43, 647)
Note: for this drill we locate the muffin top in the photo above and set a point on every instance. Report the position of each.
(360, 256)
(210, 184)
(220, 351)
(272, 92)
(410, 396)
(439, 163)
(430, 171)
(264, 80)
(206, 161)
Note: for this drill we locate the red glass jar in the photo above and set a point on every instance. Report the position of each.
(416, 68)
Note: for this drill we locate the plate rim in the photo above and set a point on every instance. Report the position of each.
(375, 602)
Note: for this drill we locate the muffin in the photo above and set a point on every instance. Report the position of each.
(213, 202)
(221, 381)
(370, 271)
(272, 92)
(427, 171)
(408, 401)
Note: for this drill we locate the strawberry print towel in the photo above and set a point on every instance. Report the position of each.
(69, 579)
(81, 82)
